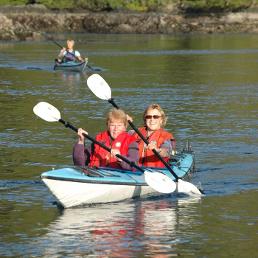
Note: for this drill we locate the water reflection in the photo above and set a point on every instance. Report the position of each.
(71, 78)
(148, 228)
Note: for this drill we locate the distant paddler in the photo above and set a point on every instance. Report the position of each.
(68, 54)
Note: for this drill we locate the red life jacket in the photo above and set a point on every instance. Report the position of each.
(147, 157)
(102, 158)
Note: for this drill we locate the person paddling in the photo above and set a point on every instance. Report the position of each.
(69, 54)
(159, 139)
(114, 137)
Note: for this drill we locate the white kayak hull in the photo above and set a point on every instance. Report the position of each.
(75, 186)
(71, 194)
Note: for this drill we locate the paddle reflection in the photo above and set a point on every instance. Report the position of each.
(147, 228)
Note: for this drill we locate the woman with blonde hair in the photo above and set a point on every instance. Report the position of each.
(114, 137)
(159, 139)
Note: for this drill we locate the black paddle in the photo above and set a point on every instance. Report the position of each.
(102, 90)
(156, 180)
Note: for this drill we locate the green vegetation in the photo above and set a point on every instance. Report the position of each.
(13, 2)
(140, 5)
(99, 5)
(215, 5)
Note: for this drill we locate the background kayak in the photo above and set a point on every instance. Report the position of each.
(71, 66)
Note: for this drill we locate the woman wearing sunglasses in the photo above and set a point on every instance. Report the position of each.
(158, 138)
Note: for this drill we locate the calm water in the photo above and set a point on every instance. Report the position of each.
(208, 86)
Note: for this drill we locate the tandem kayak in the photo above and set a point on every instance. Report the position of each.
(76, 186)
(71, 66)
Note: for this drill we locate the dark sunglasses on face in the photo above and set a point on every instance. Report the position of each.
(154, 117)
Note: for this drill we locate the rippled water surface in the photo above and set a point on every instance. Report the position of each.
(208, 86)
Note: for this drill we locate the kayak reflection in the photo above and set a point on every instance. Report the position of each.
(127, 229)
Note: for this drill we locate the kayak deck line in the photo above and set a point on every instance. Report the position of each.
(91, 181)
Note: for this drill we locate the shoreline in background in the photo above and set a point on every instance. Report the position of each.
(25, 23)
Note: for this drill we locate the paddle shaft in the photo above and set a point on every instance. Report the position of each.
(57, 44)
(111, 100)
(131, 163)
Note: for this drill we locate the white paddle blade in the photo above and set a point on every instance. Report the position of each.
(47, 112)
(187, 188)
(99, 86)
(159, 182)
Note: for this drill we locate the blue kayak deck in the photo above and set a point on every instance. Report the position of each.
(182, 166)
(70, 66)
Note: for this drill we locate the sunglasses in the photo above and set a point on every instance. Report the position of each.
(154, 117)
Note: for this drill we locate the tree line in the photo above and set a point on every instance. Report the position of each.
(185, 6)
